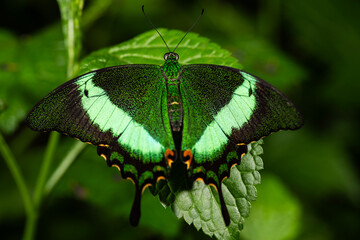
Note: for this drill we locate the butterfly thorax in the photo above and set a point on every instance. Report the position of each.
(171, 71)
(171, 68)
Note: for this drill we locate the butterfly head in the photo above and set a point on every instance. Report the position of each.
(171, 56)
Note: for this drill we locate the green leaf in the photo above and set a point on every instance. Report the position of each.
(201, 207)
(36, 64)
(148, 48)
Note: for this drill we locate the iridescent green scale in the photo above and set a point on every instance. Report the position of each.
(171, 73)
(148, 120)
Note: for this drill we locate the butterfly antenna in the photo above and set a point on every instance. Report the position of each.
(197, 20)
(148, 19)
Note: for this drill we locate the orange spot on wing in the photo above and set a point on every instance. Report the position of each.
(213, 185)
(168, 154)
(104, 156)
(145, 186)
(169, 162)
(188, 154)
(233, 165)
(114, 165)
(129, 178)
(103, 145)
(160, 178)
(200, 179)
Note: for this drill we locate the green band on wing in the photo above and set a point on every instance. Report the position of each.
(109, 117)
(232, 116)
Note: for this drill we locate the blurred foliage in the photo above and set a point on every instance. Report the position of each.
(307, 49)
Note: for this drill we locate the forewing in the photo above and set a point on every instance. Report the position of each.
(225, 109)
(120, 107)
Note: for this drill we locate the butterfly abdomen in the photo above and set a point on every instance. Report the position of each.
(172, 74)
(174, 103)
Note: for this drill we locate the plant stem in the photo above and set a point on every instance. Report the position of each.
(32, 217)
(30, 227)
(19, 180)
(70, 13)
(50, 150)
(64, 165)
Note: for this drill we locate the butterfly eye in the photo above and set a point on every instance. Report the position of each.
(176, 56)
(171, 55)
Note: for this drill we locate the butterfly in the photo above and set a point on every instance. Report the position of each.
(152, 122)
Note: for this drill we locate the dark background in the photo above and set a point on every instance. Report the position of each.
(307, 49)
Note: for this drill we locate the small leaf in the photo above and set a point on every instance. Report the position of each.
(201, 207)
